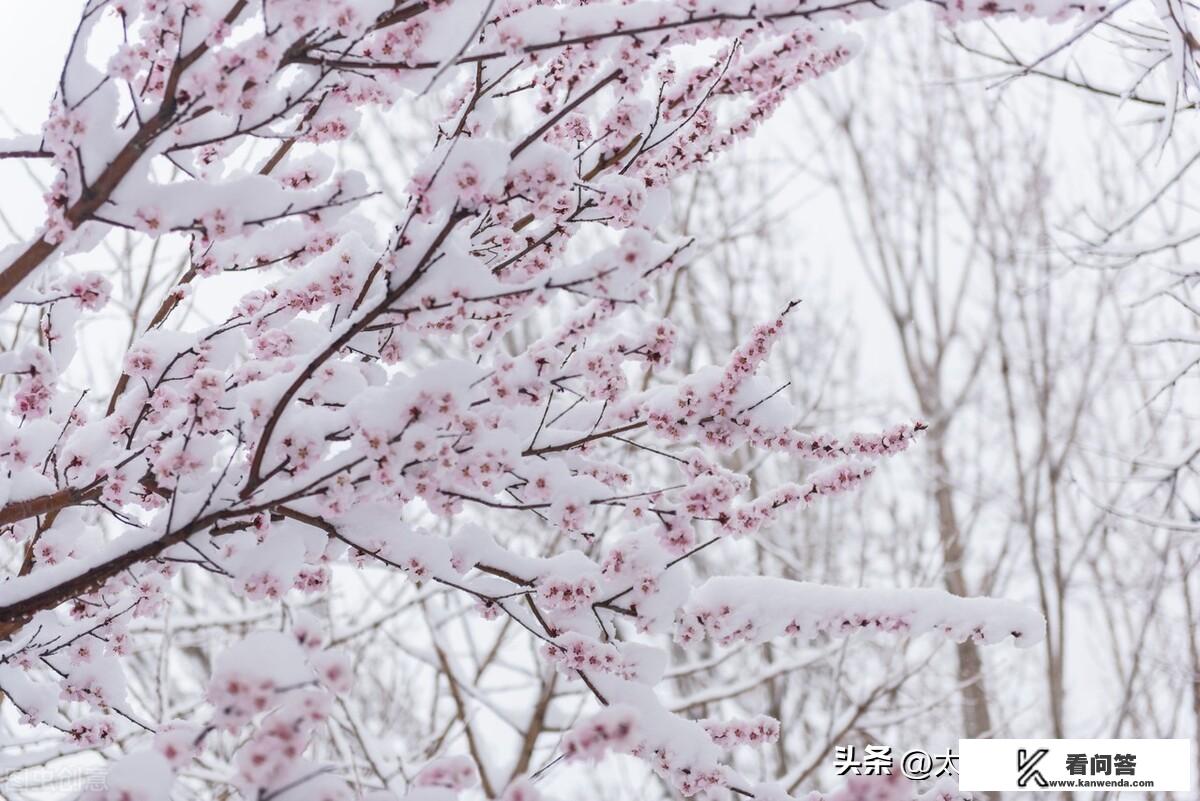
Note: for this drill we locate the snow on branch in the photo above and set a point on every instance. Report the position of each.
(728, 609)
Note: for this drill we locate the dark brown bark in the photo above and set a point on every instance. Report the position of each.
(976, 716)
(16, 511)
(16, 614)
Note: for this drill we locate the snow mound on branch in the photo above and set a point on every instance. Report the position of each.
(757, 608)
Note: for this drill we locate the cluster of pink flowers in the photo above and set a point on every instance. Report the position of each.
(709, 496)
(174, 460)
(454, 773)
(237, 697)
(38, 372)
(727, 625)
(32, 398)
(566, 595)
(178, 744)
(611, 729)
(263, 584)
(688, 776)
(281, 739)
(141, 362)
(312, 579)
(573, 652)
(273, 343)
(90, 290)
(747, 519)
(84, 686)
(92, 731)
(827, 447)
(894, 440)
(731, 733)
(810, 628)
(723, 624)
(205, 393)
(730, 609)
(397, 43)
(636, 570)
(620, 200)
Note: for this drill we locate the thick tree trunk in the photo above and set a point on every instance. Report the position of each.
(976, 716)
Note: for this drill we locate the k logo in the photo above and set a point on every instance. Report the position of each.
(1027, 767)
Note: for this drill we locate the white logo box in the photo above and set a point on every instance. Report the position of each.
(1021, 765)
